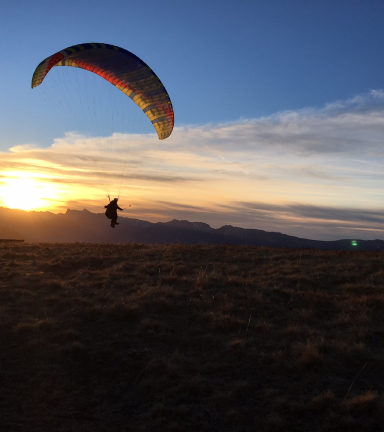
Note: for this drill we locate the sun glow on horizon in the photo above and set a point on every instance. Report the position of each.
(20, 191)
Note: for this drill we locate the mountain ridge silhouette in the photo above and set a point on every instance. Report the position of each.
(85, 226)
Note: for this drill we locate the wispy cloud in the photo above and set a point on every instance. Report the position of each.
(327, 161)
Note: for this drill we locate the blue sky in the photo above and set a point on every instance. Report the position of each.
(256, 85)
(220, 61)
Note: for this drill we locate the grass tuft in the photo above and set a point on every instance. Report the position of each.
(366, 402)
(322, 401)
(310, 356)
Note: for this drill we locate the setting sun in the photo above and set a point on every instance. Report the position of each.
(24, 194)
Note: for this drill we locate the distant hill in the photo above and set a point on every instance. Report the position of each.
(84, 226)
(9, 233)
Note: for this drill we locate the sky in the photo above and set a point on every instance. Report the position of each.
(279, 114)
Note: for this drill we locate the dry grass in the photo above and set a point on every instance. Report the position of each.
(190, 338)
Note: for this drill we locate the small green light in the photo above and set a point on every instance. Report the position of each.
(354, 243)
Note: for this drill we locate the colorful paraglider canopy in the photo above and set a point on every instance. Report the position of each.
(122, 69)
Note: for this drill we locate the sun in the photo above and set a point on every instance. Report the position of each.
(24, 194)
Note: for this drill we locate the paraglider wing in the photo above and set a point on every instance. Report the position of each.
(122, 69)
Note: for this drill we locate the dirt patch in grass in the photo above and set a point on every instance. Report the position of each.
(138, 337)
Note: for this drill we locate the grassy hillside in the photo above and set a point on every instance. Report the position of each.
(190, 338)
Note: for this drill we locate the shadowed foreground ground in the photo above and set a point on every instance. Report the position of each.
(190, 338)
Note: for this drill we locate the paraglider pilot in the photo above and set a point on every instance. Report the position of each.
(111, 212)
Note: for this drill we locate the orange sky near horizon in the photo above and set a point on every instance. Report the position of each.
(282, 173)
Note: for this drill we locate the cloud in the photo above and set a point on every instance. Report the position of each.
(328, 161)
(302, 211)
(352, 126)
(343, 127)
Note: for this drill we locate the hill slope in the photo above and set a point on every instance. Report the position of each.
(190, 338)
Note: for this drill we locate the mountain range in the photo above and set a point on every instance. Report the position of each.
(84, 226)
